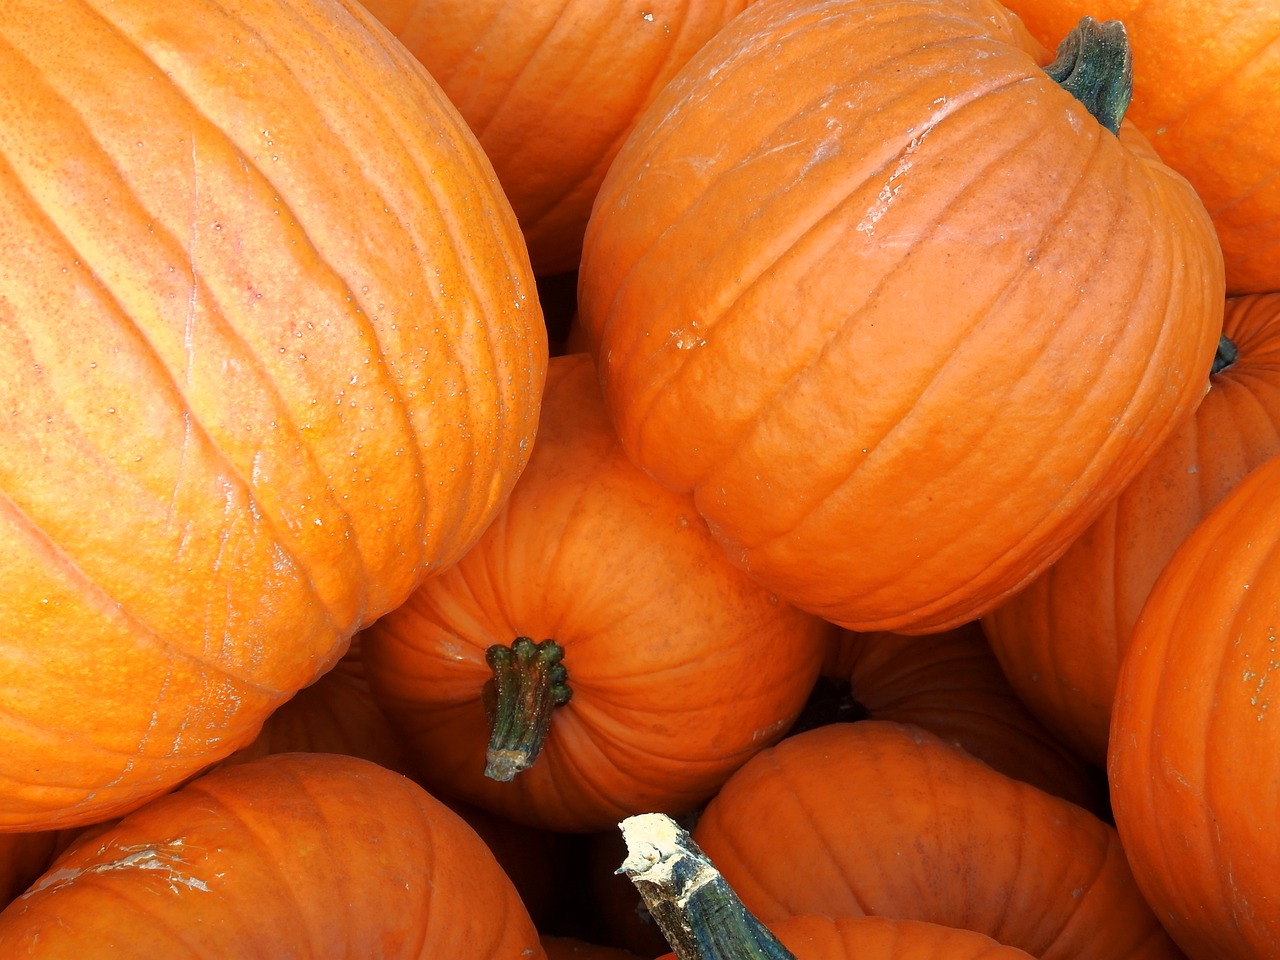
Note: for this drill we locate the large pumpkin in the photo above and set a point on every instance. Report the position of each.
(291, 855)
(552, 88)
(893, 305)
(1204, 77)
(1194, 756)
(594, 655)
(1060, 640)
(269, 353)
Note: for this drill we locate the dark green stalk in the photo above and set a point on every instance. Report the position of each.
(529, 682)
(1095, 65)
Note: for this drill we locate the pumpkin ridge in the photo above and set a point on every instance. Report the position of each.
(144, 632)
(552, 23)
(831, 214)
(909, 406)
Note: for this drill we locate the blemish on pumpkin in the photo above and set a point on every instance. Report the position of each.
(163, 857)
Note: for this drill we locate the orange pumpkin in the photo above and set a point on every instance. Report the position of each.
(950, 684)
(888, 820)
(269, 353)
(1194, 758)
(893, 305)
(1060, 640)
(1201, 72)
(552, 88)
(679, 667)
(314, 855)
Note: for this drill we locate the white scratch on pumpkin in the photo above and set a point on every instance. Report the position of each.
(165, 858)
(891, 187)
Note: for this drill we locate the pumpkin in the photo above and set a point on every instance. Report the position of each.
(594, 654)
(25, 856)
(1060, 639)
(552, 88)
(892, 304)
(950, 684)
(269, 355)
(314, 855)
(888, 820)
(1201, 71)
(1194, 757)
(706, 920)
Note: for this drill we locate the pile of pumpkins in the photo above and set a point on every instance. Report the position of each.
(435, 432)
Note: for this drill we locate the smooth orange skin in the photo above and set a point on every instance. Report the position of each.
(552, 88)
(681, 666)
(1203, 75)
(1195, 752)
(951, 684)
(901, 333)
(885, 819)
(814, 937)
(1060, 640)
(293, 855)
(268, 355)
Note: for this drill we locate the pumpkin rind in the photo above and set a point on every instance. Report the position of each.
(1194, 757)
(268, 354)
(1061, 638)
(894, 307)
(552, 88)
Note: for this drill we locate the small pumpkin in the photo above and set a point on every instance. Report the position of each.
(1202, 72)
(893, 304)
(1194, 758)
(314, 855)
(1061, 638)
(594, 654)
(552, 88)
(269, 354)
(888, 820)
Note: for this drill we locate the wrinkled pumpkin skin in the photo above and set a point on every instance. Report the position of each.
(269, 354)
(1195, 751)
(1060, 640)
(1202, 75)
(892, 305)
(291, 855)
(552, 88)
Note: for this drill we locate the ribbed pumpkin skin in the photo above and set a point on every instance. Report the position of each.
(892, 304)
(1201, 71)
(552, 88)
(814, 937)
(681, 666)
(951, 684)
(268, 353)
(1060, 640)
(293, 855)
(1195, 753)
(887, 820)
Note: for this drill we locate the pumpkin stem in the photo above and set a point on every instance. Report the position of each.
(692, 903)
(529, 682)
(1095, 65)
(1227, 354)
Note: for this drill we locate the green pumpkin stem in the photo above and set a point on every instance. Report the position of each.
(529, 682)
(1095, 65)
(1227, 354)
(689, 899)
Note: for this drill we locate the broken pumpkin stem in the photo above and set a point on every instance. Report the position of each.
(690, 900)
(1095, 65)
(529, 681)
